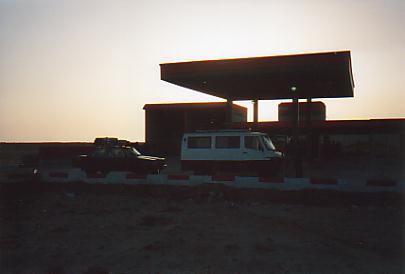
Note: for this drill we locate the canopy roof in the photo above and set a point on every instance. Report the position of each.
(191, 106)
(315, 75)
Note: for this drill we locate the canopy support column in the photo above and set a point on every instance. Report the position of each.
(295, 135)
(255, 114)
(228, 121)
(310, 135)
(296, 119)
(309, 112)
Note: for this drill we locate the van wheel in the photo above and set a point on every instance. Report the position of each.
(267, 173)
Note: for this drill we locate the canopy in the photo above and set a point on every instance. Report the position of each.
(315, 75)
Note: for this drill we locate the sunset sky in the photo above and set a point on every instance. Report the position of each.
(73, 70)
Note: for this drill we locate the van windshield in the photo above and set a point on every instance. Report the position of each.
(268, 143)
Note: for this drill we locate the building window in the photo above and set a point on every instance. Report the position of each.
(199, 142)
(227, 142)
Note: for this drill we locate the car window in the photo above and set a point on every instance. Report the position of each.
(199, 142)
(134, 151)
(99, 152)
(117, 153)
(131, 152)
(227, 142)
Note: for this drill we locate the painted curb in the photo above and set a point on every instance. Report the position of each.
(279, 183)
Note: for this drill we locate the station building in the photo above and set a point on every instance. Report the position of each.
(382, 138)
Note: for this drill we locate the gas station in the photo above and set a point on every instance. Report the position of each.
(304, 76)
(300, 78)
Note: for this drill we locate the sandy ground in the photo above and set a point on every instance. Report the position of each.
(71, 229)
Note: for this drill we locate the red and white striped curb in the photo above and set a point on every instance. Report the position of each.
(281, 183)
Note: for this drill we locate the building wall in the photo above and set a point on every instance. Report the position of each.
(166, 123)
(382, 138)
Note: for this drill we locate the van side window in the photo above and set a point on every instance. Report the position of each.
(227, 142)
(199, 142)
(252, 142)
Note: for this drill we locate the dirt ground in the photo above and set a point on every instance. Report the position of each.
(57, 229)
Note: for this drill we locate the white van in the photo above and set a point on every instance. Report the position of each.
(234, 151)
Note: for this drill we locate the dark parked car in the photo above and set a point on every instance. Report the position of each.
(112, 154)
